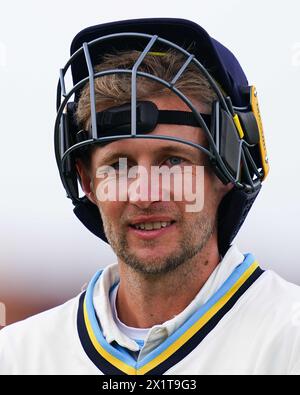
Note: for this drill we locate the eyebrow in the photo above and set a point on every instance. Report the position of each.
(184, 150)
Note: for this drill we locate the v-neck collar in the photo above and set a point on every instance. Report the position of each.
(115, 359)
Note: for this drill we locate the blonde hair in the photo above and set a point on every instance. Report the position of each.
(115, 89)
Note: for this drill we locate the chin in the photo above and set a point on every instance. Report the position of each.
(153, 252)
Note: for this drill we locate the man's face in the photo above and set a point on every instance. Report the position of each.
(153, 233)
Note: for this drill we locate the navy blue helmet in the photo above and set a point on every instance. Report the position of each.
(234, 131)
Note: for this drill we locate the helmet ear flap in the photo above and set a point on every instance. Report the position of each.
(250, 127)
(88, 213)
(227, 142)
(240, 148)
(232, 212)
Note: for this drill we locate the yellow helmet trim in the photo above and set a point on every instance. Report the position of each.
(262, 142)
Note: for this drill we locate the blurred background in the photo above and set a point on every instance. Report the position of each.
(46, 255)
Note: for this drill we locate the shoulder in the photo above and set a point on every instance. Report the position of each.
(271, 312)
(275, 298)
(45, 321)
(51, 331)
(281, 292)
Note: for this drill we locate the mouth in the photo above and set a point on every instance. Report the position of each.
(149, 230)
(148, 226)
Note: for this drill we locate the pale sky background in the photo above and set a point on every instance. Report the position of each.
(44, 249)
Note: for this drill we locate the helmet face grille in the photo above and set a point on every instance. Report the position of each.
(227, 151)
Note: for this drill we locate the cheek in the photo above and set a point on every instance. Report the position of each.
(111, 211)
(211, 193)
(110, 208)
(204, 189)
(195, 188)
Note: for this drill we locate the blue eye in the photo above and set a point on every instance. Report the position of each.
(175, 160)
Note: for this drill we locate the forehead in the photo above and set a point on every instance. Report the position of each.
(141, 146)
(173, 102)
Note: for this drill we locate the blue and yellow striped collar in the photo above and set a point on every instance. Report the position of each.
(117, 360)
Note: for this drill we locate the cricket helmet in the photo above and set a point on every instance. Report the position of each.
(237, 150)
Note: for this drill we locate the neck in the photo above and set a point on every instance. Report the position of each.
(147, 300)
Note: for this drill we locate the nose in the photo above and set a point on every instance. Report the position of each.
(143, 190)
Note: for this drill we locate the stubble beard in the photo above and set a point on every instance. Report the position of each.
(194, 237)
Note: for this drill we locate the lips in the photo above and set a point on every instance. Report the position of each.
(150, 219)
(152, 225)
(149, 223)
(152, 233)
